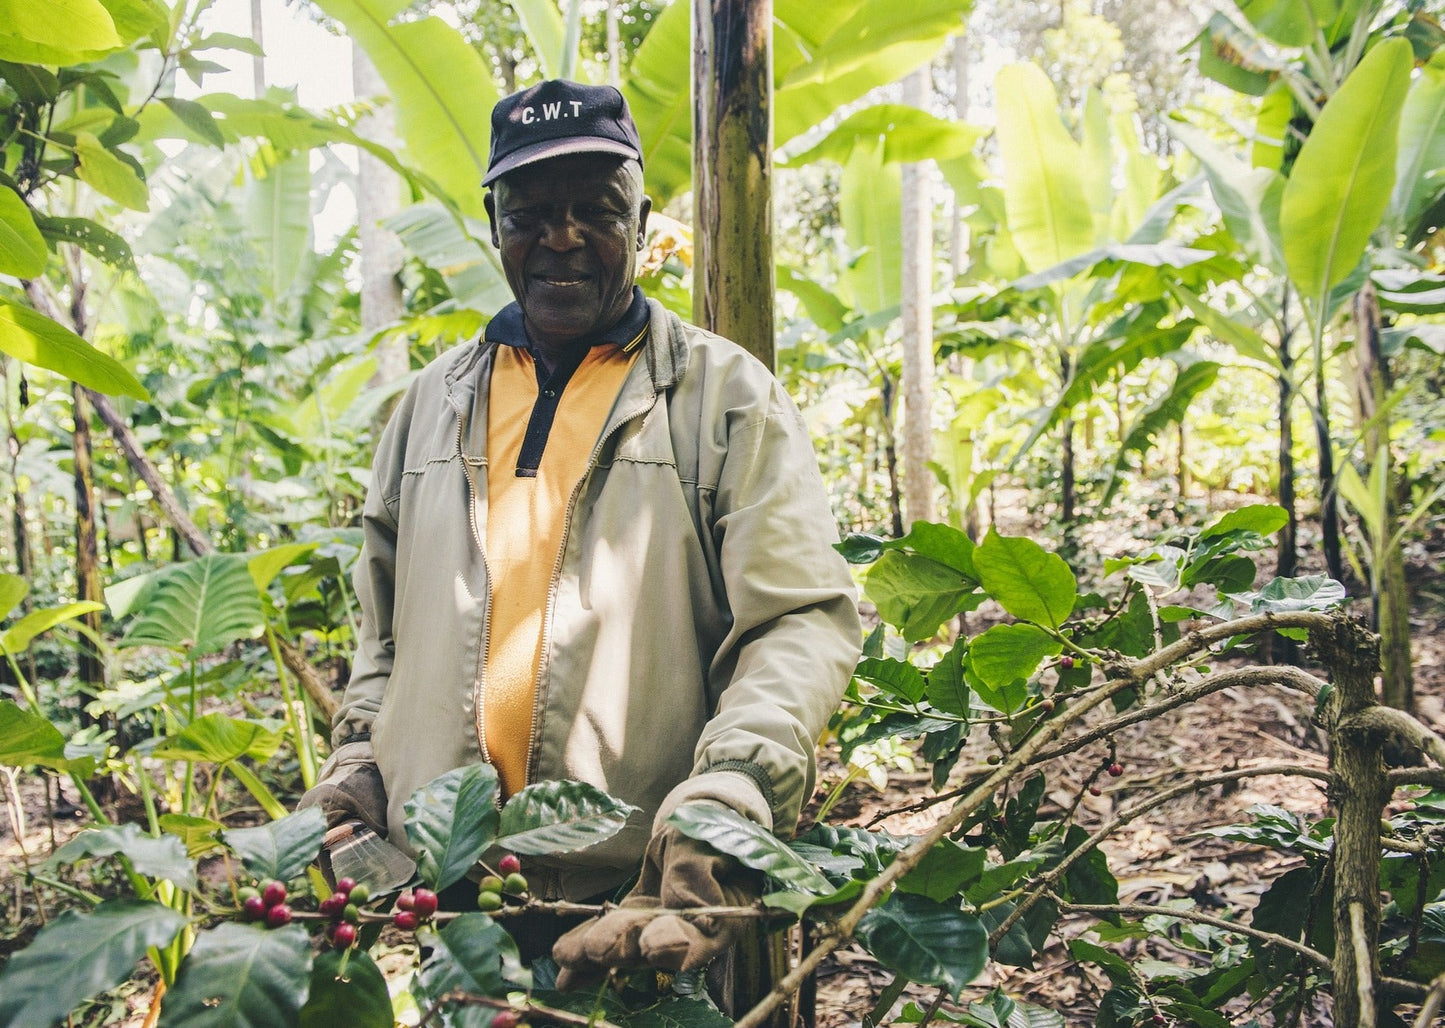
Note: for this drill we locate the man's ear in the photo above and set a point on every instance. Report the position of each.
(489, 201)
(642, 214)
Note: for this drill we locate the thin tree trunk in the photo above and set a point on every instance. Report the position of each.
(1391, 589)
(378, 197)
(614, 46)
(1329, 504)
(732, 171)
(91, 669)
(890, 457)
(1359, 793)
(1286, 560)
(958, 239)
(258, 61)
(917, 297)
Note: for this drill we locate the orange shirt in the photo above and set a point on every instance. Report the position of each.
(526, 522)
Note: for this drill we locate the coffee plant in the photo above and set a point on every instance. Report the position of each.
(242, 930)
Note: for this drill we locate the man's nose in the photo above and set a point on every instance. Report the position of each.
(561, 232)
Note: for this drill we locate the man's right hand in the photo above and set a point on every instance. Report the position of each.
(349, 789)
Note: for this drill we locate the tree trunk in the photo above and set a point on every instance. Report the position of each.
(1287, 558)
(1359, 792)
(917, 304)
(958, 238)
(890, 457)
(732, 171)
(258, 61)
(614, 46)
(91, 669)
(1391, 588)
(378, 197)
(1329, 505)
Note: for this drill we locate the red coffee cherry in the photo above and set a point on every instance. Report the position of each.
(406, 920)
(278, 915)
(509, 864)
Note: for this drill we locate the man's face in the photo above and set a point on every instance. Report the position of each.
(569, 230)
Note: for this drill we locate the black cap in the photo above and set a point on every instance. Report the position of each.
(558, 117)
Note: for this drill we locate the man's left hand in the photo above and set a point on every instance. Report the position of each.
(678, 873)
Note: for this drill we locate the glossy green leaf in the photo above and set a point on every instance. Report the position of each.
(729, 832)
(198, 607)
(898, 678)
(1048, 213)
(239, 976)
(22, 247)
(16, 639)
(197, 117)
(1007, 652)
(560, 817)
(947, 688)
(1262, 518)
(1422, 146)
(1030, 583)
(159, 857)
(33, 338)
(27, 738)
(1233, 57)
(916, 595)
(357, 999)
(220, 740)
(1310, 592)
(1341, 181)
(931, 943)
(267, 564)
(451, 820)
(442, 91)
(108, 175)
(944, 871)
(78, 955)
(200, 835)
(278, 222)
(472, 954)
(57, 32)
(101, 243)
(459, 250)
(869, 205)
(908, 134)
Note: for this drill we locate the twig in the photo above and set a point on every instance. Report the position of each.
(476, 1000)
(1289, 677)
(1153, 910)
(1433, 1000)
(1143, 807)
(1364, 985)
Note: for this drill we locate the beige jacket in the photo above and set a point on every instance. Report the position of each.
(700, 630)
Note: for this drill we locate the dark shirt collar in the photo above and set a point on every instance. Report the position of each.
(507, 327)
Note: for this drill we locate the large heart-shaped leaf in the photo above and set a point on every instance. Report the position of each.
(731, 833)
(27, 738)
(198, 607)
(451, 820)
(560, 817)
(17, 637)
(220, 739)
(1309, 592)
(1029, 582)
(78, 955)
(1341, 181)
(159, 857)
(931, 943)
(896, 677)
(238, 976)
(33, 338)
(357, 999)
(279, 849)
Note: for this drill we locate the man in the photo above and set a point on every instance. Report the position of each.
(597, 547)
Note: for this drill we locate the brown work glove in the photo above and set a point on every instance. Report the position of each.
(349, 789)
(677, 873)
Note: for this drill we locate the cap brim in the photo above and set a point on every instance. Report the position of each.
(557, 148)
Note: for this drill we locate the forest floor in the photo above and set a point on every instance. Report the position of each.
(1157, 859)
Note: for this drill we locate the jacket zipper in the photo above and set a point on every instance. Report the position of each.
(481, 693)
(557, 565)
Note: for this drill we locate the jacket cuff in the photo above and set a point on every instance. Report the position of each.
(733, 789)
(344, 756)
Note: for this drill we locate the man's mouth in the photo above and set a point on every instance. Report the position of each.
(560, 281)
